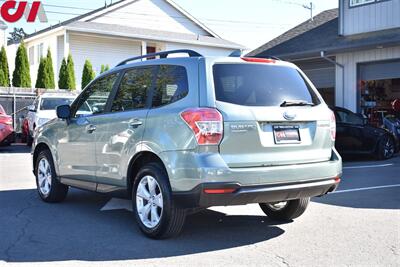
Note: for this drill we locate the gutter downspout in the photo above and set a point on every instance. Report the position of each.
(340, 66)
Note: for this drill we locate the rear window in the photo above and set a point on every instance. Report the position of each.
(260, 85)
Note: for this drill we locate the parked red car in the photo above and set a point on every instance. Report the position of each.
(6, 128)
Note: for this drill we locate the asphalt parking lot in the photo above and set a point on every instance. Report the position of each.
(359, 225)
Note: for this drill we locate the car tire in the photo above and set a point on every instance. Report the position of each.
(386, 148)
(287, 211)
(156, 214)
(49, 188)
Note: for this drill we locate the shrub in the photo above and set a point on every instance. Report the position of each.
(21, 74)
(4, 70)
(88, 74)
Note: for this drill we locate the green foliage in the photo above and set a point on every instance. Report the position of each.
(63, 76)
(104, 68)
(49, 70)
(21, 75)
(41, 76)
(45, 77)
(88, 74)
(4, 71)
(71, 73)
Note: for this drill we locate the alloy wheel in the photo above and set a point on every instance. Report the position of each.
(149, 201)
(44, 177)
(388, 148)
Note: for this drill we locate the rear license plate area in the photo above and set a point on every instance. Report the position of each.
(286, 134)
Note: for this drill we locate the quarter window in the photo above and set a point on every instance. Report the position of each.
(132, 93)
(171, 85)
(93, 100)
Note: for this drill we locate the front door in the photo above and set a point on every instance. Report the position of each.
(77, 143)
(123, 133)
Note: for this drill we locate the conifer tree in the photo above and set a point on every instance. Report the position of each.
(49, 70)
(41, 76)
(21, 74)
(88, 74)
(4, 70)
(63, 75)
(71, 73)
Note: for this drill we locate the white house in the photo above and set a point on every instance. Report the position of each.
(124, 29)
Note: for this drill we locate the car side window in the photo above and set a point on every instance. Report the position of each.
(93, 99)
(350, 118)
(133, 90)
(171, 85)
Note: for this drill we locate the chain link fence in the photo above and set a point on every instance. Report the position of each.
(16, 100)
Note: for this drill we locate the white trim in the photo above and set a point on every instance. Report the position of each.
(154, 38)
(33, 38)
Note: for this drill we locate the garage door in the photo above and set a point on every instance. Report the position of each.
(379, 70)
(322, 78)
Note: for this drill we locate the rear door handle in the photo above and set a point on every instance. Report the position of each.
(135, 123)
(90, 128)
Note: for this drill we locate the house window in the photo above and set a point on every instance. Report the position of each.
(32, 55)
(354, 3)
(40, 52)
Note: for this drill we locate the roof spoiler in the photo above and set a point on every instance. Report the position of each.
(163, 54)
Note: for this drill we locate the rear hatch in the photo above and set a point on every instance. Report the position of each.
(272, 116)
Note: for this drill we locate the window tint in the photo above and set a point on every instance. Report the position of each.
(53, 103)
(94, 99)
(132, 93)
(260, 85)
(171, 85)
(349, 117)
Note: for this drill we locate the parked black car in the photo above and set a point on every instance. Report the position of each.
(355, 136)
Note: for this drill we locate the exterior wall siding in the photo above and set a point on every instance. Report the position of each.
(151, 14)
(100, 50)
(346, 92)
(371, 17)
(319, 71)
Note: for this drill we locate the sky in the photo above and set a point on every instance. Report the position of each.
(248, 22)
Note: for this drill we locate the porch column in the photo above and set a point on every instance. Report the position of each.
(144, 49)
(66, 45)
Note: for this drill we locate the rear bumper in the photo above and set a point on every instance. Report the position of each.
(198, 197)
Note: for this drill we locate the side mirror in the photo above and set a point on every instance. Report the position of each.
(64, 112)
(31, 108)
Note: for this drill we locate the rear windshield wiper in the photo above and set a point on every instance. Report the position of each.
(300, 103)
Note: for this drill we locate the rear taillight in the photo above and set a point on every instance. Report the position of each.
(6, 120)
(333, 127)
(206, 124)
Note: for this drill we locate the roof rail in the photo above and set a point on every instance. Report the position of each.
(163, 54)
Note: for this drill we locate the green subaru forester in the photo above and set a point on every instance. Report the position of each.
(183, 133)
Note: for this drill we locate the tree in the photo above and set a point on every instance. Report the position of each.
(21, 74)
(17, 35)
(4, 70)
(63, 76)
(71, 73)
(104, 68)
(88, 74)
(41, 76)
(49, 70)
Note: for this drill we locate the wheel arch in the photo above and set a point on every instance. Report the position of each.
(39, 148)
(138, 161)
